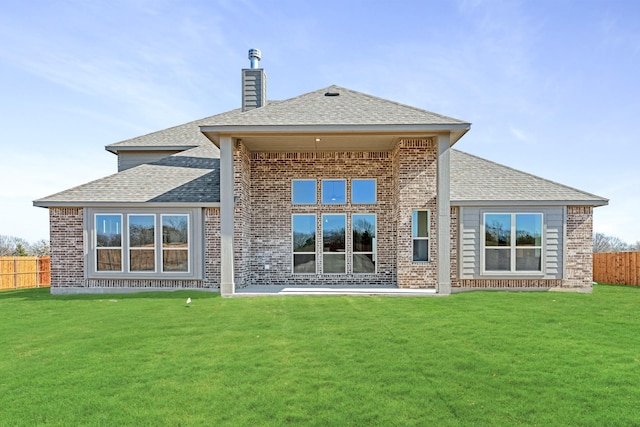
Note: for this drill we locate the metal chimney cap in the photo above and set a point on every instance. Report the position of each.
(254, 56)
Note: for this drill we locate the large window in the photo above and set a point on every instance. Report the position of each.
(333, 243)
(144, 244)
(513, 242)
(364, 243)
(175, 243)
(108, 242)
(363, 191)
(420, 235)
(303, 191)
(334, 191)
(304, 243)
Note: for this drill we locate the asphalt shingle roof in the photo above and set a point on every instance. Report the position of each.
(476, 179)
(193, 176)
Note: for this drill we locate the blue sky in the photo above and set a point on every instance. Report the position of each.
(550, 87)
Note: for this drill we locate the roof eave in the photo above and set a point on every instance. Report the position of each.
(80, 204)
(213, 132)
(505, 203)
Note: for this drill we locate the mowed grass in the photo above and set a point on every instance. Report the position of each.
(484, 358)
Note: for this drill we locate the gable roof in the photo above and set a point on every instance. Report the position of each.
(475, 180)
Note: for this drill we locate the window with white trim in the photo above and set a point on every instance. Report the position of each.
(334, 191)
(512, 242)
(144, 244)
(363, 228)
(333, 243)
(303, 231)
(108, 238)
(303, 191)
(420, 235)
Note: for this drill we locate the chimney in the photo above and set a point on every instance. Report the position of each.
(254, 83)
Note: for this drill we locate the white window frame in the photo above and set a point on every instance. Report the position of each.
(374, 249)
(346, 193)
(96, 249)
(162, 249)
(315, 192)
(155, 244)
(375, 191)
(195, 246)
(315, 249)
(512, 248)
(346, 250)
(427, 238)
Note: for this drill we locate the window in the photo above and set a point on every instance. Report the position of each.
(304, 243)
(334, 191)
(303, 191)
(513, 242)
(333, 243)
(108, 242)
(142, 243)
(363, 191)
(175, 243)
(420, 236)
(364, 243)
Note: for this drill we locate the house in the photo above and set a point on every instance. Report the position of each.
(332, 187)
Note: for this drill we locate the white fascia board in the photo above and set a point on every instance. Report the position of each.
(45, 204)
(115, 150)
(506, 203)
(374, 128)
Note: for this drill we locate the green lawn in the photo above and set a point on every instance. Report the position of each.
(483, 358)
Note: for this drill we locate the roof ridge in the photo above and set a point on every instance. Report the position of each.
(530, 174)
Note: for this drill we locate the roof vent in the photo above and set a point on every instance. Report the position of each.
(254, 56)
(332, 94)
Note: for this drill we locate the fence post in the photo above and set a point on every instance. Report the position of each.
(37, 261)
(15, 273)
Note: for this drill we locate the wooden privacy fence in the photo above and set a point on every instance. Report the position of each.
(620, 268)
(19, 272)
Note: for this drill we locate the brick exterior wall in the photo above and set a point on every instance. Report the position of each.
(67, 255)
(415, 187)
(270, 220)
(579, 247)
(67, 247)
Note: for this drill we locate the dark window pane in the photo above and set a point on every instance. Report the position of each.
(528, 260)
(109, 260)
(333, 263)
(421, 250)
(364, 231)
(528, 230)
(304, 233)
(109, 231)
(141, 231)
(363, 191)
(175, 260)
(142, 260)
(420, 224)
(497, 259)
(363, 263)
(304, 263)
(333, 192)
(333, 233)
(175, 231)
(303, 192)
(498, 229)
